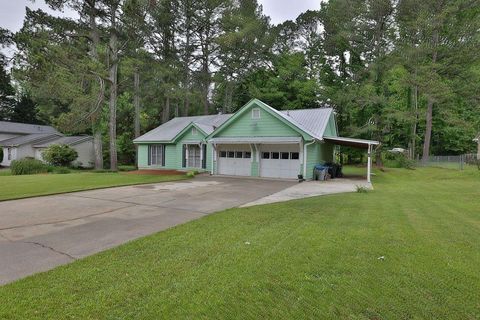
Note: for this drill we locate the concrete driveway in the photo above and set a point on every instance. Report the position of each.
(37, 234)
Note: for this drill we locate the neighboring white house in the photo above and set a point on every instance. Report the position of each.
(20, 140)
(82, 144)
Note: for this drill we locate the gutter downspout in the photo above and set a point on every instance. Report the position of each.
(305, 157)
(214, 161)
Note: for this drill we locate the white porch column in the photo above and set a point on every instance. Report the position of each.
(369, 163)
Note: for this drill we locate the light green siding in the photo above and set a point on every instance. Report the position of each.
(189, 138)
(266, 126)
(318, 153)
(170, 157)
(331, 129)
(143, 156)
(313, 158)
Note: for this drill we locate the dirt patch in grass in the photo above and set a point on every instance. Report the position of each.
(157, 172)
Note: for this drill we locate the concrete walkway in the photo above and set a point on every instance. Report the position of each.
(38, 234)
(311, 189)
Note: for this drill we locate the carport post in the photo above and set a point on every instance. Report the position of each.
(369, 163)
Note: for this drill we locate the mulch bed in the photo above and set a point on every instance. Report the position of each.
(157, 172)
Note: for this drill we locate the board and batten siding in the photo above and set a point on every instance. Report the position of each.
(331, 129)
(318, 153)
(266, 126)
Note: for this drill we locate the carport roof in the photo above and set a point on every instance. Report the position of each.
(351, 142)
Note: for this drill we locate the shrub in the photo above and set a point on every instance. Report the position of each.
(126, 168)
(59, 155)
(398, 160)
(61, 170)
(28, 166)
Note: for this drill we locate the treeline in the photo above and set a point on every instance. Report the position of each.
(404, 72)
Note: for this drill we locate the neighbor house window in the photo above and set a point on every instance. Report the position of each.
(9, 153)
(156, 154)
(194, 131)
(256, 113)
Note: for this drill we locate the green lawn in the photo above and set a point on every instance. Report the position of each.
(306, 259)
(14, 187)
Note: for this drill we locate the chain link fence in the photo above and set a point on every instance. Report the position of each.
(459, 162)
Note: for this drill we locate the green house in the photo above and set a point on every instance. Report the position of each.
(256, 141)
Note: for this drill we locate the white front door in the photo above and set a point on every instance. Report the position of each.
(280, 161)
(234, 160)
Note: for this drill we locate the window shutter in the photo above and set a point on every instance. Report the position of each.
(163, 155)
(149, 155)
(184, 155)
(204, 160)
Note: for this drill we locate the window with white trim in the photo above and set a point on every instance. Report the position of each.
(256, 113)
(194, 131)
(156, 154)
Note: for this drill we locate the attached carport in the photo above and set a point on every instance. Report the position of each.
(356, 143)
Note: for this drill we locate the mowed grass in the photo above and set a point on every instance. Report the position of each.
(317, 258)
(15, 187)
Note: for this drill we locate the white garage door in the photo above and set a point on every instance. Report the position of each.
(279, 161)
(234, 160)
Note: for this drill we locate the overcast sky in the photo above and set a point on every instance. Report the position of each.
(12, 12)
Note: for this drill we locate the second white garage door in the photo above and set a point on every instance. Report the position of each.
(280, 161)
(234, 160)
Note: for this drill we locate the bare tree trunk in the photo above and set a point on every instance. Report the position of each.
(136, 102)
(166, 110)
(429, 116)
(113, 44)
(136, 105)
(415, 123)
(98, 149)
(186, 105)
(97, 110)
(428, 130)
(177, 109)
